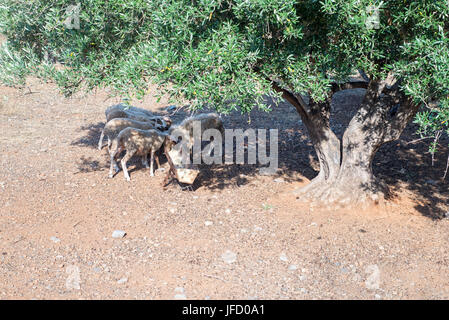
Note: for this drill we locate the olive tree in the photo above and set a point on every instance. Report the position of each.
(230, 54)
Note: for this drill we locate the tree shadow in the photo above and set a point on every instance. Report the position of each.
(91, 136)
(401, 165)
(397, 164)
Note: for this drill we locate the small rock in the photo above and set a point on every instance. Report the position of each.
(292, 267)
(344, 270)
(180, 296)
(279, 180)
(373, 280)
(377, 296)
(118, 234)
(229, 257)
(73, 280)
(55, 240)
(228, 211)
(172, 210)
(122, 280)
(179, 290)
(208, 223)
(283, 257)
(302, 277)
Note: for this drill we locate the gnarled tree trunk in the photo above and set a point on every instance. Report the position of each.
(325, 142)
(346, 175)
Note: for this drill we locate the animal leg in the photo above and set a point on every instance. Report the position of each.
(145, 160)
(125, 159)
(151, 164)
(157, 161)
(100, 142)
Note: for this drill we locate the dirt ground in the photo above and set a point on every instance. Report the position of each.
(237, 235)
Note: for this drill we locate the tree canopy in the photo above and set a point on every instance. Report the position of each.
(229, 54)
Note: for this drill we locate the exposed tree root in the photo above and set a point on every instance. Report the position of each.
(343, 193)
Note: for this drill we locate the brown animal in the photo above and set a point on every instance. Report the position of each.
(140, 142)
(133, 113)
(207, 121)
(113, 128)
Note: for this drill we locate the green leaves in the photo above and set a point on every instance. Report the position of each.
(219, 53)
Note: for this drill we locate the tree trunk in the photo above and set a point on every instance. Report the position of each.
(326, 145)
(380, 119)
(346, 175)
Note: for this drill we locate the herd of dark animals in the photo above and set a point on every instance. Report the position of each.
(139, 132)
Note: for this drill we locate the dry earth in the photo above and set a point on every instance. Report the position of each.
(238, 235)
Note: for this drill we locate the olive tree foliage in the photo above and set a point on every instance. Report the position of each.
(229, 54)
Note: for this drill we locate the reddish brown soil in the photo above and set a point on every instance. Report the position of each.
(53, 183)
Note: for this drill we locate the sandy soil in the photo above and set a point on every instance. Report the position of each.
(238, 235)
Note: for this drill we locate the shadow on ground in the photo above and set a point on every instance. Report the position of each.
(399, 164)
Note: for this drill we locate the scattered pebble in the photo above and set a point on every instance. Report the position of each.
(283, 257)
(344, 270)
(228, 211)
(179, 290)
(208, 223)
(73, 280)
(279, 180)
(229, 257)
(180, 296)
(122, 280)
(118, 234)
(292, 267)
(373, 280)
(55, 240)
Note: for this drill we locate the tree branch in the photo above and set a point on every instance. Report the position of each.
(298, 103)
(349, 85)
